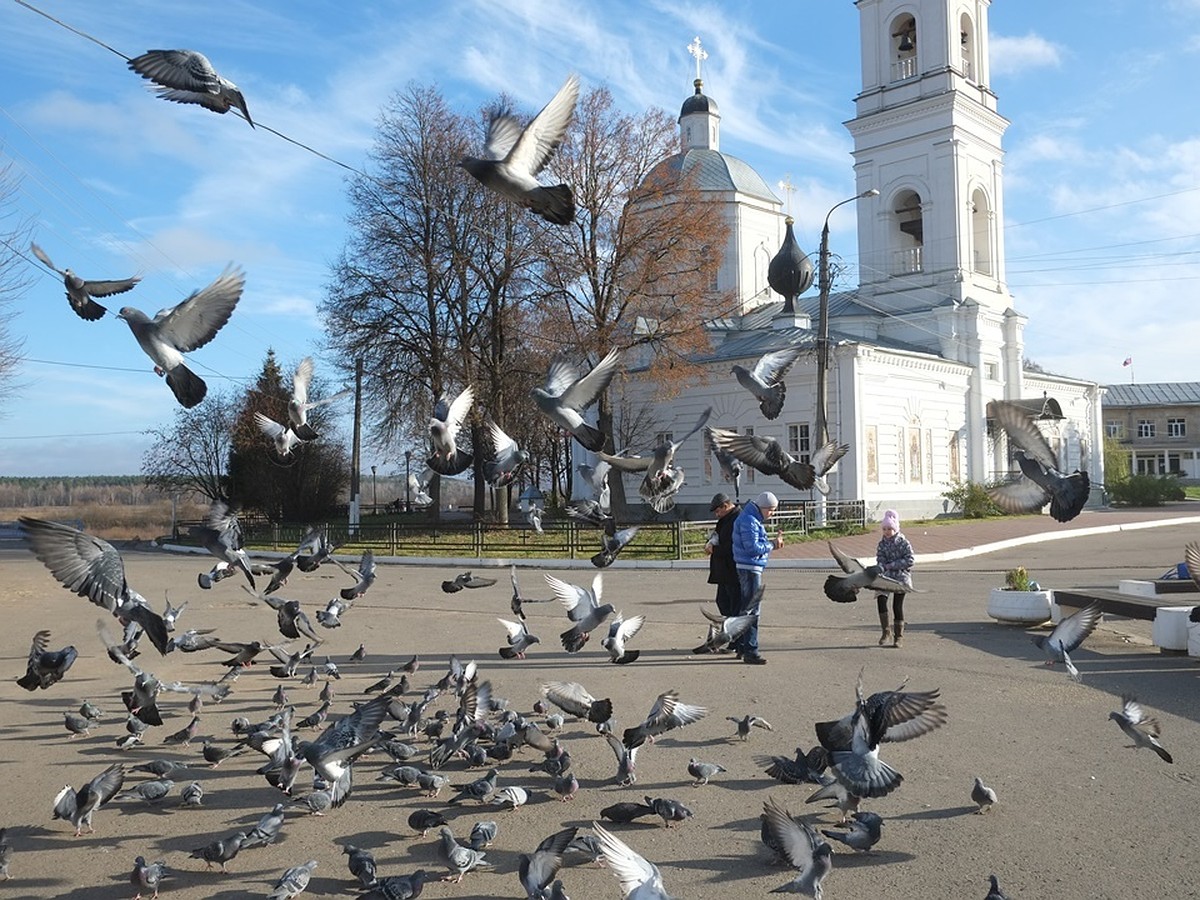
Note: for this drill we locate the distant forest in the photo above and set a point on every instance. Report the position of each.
(104, 490)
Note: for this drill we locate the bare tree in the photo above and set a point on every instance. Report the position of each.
(192, 453)
(14, 279)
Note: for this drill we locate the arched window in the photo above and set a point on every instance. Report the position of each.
(908, 238)
(904, 47)
(981, 233)
(966, 52)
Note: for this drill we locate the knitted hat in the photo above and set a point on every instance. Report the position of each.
(718, 500)
(766, 500)
(891, 519)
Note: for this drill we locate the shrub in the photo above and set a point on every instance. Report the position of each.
(972, 500)
(1146, 490)
(1017, 580)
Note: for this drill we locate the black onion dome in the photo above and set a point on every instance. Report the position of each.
(790, 272)
(698, 102)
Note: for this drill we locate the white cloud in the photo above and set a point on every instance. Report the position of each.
(1018, 55)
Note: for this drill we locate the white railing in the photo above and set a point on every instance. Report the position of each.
(907, 261)
(904, 68)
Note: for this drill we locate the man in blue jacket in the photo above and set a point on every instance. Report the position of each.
(751, 547)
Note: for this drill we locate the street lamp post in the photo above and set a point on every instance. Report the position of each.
(823, 318)
(374, 493)
(407, 482)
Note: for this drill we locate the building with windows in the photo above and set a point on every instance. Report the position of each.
(931, 333)
(1159, 424)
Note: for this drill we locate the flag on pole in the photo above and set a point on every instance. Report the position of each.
(1128, 361)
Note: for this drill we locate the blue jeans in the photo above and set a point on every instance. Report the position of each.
(750, 582)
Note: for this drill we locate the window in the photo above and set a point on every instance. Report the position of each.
(1114, 429)
(798, 441)
(1145, 428)
(991, 371)
(908, 234)
(663, 437)
(1176, 428)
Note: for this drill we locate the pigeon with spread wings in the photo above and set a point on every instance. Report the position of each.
(80, 292)
(844, 589)
(1041, 481)
(186, 76)
(300, 403)
(662, 480)
(566, 394)
(446, 457)
(583, 607)
(765, 454)
(765, 379)
(1066, 637)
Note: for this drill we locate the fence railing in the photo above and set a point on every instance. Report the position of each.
(567, 539)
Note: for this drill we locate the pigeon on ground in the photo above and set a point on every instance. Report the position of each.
(536, 870)
(504, 458)
(316, 802)
(398, 887)
(76, 724)
(583, 608)
(747, 722)
(267, 829)
(282, 438)
(80, 293)
(481, 789)
(573, 698)
(519, 639)
(765, 454)
(221, 535)
(982, 795)
(566, 395)
(620, 631)
(722, 631)
(446, 457)
(192, 794)
(668, 810)
(666, 713)
(293, 882)
(333, 753)
(160, 768)
(171, 613)
(220, 851)
(466, 580)
(662, 480)
(92, 568)
(361, 864)
(994, 892)
(46, 667)
(482, 835)
(518, 602)
(626, 811)
(423, 820)
(184, 735)
(801, 847)
(146, 876)
(640, 878)
(1066, 637)
(1141, 729)
(1041, 481)
(90, 710)
(831, 789)
(151, 791)
(612, 542)
(864, 833)
(844, 589)
(365, 577)
(78, 806)
(804, 768)
(703, 771)
(511, 797)
(566, 785)
(765, 379)
(458, 859)
(187, 326)
(513, 156)
(142, 700)
(300, 404)
(186, 76)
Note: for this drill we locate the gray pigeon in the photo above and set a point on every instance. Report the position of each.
(765, 454)
(620, 631)
(747, 722)
(44, 666)
(668, 712)
(300, 404)
(536, 870)
(316, 802)
(1041, 481)
(982, 795)
(597, 477)
(844, 589)
(703, 771)
(518, 601)
(1140, 728)
(186, 76)
(423, 820)
(293, 882)
(800, 846)
(447, 458)
(994, 892)
(662, 480)
(220, 851)
(146, 876)
(804, 768)
(221, 535)
(5, 853)
(722, 631)
(482, 835)
(513, 156)
(281, 436)
(267, 829)
(765, 379)
(583, 608)
(150, 791)
(187, 326)
(639, 877)
(76, 724)
(333, 753)
(566, 395)
(397, 887)
(832, 789)
(361, 864)
(511, 797)
(519, 639)
(612, 542)
(1066, 637)
(78, 806)
(192, 794)
(730, 466)
(80, 293)
(466, 580)
(480, 789)
(668, 810)
(626, 811)
(365, 578)
(171, 613)
(573, 698)
(458, 859)
(864, 832)
(505, 459)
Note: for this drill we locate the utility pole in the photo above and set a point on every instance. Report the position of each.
(355, 449)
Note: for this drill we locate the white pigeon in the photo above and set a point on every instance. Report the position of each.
(448, 417)
(583, 608)
(640, 878)
(620, 631)
(567, 394)
(284, 439)
(513, 156)
(185, 327)
(299, 404)
(186, 76)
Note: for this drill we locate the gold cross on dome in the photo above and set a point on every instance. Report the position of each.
(698, 52)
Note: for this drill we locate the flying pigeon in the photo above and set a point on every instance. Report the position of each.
(804, 768)
(800, 846)
(722, 631)
(845, 589)
(639, 877)
(78, 806)
(1065, 638)
(187, 326)
(282, 437)
(823, 460)
(597, 477)
(662, 480)
(186, 76)
(365, 577)
(1041, 481)
(45, 667)
(300, 404)
(80, 292)
(573, 698)
(747, 722)
(566, 395)
(1141, 729)
(513, 156)
(518, 602)
(466, 580)
(340, 744)
(447, 458)
(519, 639)
(583, 608)
(730, 466)
(620, 631)
(666, 713)
(982, 795)
(221, 535)
(765, 379)
(504, 460)
(536, 870)
(864, 833)
(612, 542)
(765, 454)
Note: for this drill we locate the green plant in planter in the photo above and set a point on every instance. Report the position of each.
(1018, 580)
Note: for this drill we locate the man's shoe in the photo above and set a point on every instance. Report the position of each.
(754, 659)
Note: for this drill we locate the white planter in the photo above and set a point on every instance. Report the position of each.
(1170, 628)
(1020, 607)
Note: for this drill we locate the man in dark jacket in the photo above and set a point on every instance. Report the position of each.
(721, 570)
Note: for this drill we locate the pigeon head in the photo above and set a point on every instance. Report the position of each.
(133, 316)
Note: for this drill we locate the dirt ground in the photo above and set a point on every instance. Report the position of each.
(1080, 814)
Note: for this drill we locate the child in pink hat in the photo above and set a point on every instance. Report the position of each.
(895, 556)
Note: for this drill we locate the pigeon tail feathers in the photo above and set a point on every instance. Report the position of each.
(188, 387)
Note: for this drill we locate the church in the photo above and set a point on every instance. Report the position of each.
(931, 333)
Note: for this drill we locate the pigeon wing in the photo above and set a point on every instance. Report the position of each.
(539, 140)
(1021, 430)
(196, 321)
(1075, 628)
(81, 562)
(773, 366)
(583, 392)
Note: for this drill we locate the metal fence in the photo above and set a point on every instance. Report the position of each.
(566, 539)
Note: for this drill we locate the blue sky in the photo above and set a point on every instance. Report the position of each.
(1102, 167)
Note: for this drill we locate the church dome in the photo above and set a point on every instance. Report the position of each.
(698, 102)
(711, 170)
